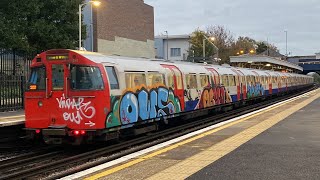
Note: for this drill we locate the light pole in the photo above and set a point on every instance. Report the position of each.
(167, 44)
(204, 45)
(286, 42)
(95, 3)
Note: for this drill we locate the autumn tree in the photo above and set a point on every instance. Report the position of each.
(244, 45)
(39, 24)
(196, 48)
(223, 40)
(264, 46)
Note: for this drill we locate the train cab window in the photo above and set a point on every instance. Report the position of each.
(135, 80)
(86, 78)
(57, 77)
(191, 81)
(37, 79)
(113, 79)
(204, 80)
(155, 79)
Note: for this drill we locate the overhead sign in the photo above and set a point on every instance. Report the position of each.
(57, 57)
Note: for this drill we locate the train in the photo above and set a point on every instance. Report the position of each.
(80, 97)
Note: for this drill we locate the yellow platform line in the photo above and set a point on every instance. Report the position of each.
(11, 117)
(191, 165)
(136, 161)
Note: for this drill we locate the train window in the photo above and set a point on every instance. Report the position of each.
(113, 79)
(191, 81)
(225, 80)
(231, 80)
(57, 77)
(204, 80)
(37, 79)
(135, 79)
(86, 78)
(155, 79)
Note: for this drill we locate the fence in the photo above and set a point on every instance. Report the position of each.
(14, 71)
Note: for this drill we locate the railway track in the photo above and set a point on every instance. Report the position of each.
(9, 169)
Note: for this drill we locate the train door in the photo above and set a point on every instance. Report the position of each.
(269, 83)
(218, 90)
(243, 87)
(238, 82)
(177, 85)
(55, 92)
(215, 75)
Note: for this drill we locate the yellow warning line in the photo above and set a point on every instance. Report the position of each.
(136, 161)
(212, 154)
(12, 117)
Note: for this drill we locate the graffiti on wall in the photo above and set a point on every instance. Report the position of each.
(75, 109)
(254, 90)
(214, 96)
(142, 105)
(191, 98)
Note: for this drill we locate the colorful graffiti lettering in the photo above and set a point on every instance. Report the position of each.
(214, 96)
(143, 105)
(79, 109)
(254, 90)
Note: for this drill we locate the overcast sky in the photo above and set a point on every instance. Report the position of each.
(260, 20)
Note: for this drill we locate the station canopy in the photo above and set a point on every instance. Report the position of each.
(264, 62)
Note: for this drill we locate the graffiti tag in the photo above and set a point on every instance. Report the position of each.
(143, 105)
(75, 110)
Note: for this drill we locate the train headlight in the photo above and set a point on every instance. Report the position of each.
(40, 104)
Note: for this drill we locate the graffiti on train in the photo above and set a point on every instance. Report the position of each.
(75, 109)
(143, 105)
(211, 96)
(254, 90)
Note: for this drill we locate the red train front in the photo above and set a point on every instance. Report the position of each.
(71, 101)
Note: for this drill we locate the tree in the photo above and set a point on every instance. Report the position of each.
(223, 40)
(244, 45)
(196, 48)
(37, 25)
(264, 46)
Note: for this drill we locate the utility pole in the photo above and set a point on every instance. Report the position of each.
(286, 42)
(167, 45)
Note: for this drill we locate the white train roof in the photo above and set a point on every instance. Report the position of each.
(134, 64)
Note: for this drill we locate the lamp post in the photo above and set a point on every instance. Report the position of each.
(204, 45)
(95, 3)
(286, 42)
(167, 44)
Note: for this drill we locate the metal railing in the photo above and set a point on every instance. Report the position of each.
(14, 71)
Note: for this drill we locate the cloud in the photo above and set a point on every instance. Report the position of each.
(257, 19)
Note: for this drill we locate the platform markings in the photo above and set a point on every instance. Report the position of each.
(176, 143)
(11, 117)
(201, 160)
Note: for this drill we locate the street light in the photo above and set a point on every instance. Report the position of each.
(286, 42)
(95, 3)
(167, 44)
(210, 41)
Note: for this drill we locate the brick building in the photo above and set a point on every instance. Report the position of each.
(120, 27)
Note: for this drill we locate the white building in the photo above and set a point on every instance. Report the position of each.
(173, 47)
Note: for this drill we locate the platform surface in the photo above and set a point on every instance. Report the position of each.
(12, 118)
(282, 142)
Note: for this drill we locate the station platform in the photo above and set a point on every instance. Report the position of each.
(278, 142)
(11, 118)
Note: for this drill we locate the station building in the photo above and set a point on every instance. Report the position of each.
(309, 63)
(120, 27)
(264, 62)
(173, 47)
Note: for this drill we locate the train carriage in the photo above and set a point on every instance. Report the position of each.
(76, 96)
